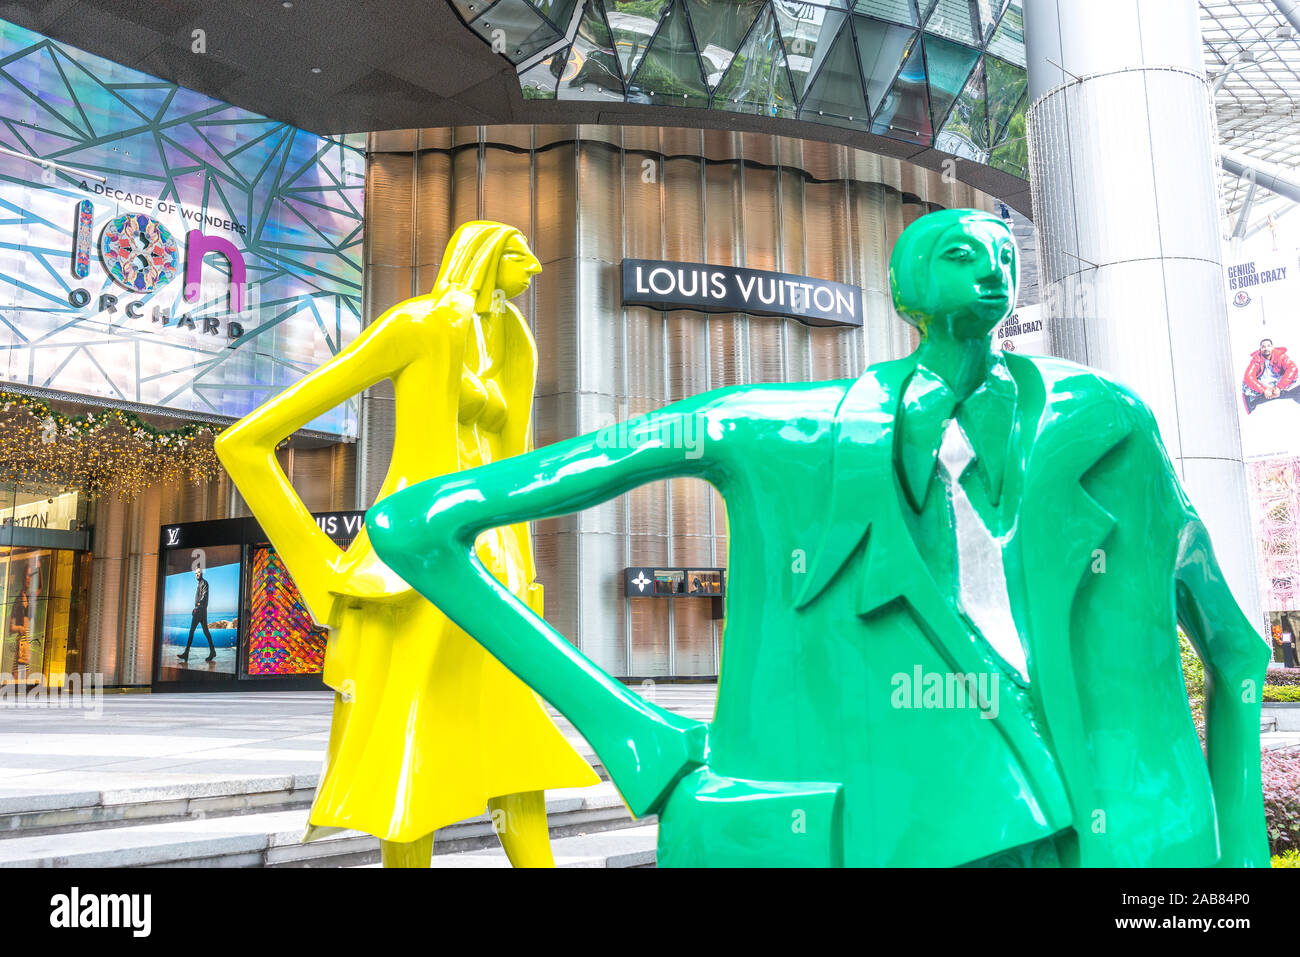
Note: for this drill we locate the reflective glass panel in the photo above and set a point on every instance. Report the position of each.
(948, 65)
(952, 19)
(1006, 84)
(836, 94)
(881, 49)
(988, 12)
(1009, 40)
(558, 11)
(758, 81)
(966, 131)
(469, 9)
(905, 112)
(897, 11)
(1011, 155)
(633, 23)
(808, 32)
(720, 29)
(524, 32)
(669, 73)
(539, 82)
(591, 71)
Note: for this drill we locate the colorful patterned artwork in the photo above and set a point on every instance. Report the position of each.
(140, 252)
(282, 640)
(92, 146)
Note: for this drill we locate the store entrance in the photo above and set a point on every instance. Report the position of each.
(44, 579)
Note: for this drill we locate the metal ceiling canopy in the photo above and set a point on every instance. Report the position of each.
(1252, 55)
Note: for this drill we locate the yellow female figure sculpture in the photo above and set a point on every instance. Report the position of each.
(428, 727)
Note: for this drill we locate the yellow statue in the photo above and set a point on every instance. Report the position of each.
(428, 727)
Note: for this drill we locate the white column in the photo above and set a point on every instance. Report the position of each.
(1122, 139)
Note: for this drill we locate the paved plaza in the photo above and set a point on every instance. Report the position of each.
(144, 742)
(225, 778)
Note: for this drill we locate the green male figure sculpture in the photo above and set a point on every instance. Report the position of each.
(951, 607)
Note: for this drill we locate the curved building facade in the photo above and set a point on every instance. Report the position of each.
(589, 198)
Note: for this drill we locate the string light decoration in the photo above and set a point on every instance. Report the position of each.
(99, 452)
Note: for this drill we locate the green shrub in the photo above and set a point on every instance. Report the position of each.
(1194, 678)
(1282, 676)
(1280, 771)
(1281, 692)
(1287, 859)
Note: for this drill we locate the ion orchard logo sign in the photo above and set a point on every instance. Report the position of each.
(141, 256)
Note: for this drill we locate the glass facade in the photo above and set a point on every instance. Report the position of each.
(164, 248)
(44, 577)
(948, 74)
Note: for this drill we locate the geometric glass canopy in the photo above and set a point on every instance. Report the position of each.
(1252, 53)
(948, 74)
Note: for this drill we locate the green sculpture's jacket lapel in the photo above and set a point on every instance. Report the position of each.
(1061, 534)
(861, 457)
(1049, 458)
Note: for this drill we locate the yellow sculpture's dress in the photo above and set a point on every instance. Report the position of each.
(468, 729)
(427, 725)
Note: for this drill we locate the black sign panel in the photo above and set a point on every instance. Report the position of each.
(650, 581)
(669, 285)
(341, 527)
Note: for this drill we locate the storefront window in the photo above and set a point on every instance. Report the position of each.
(44, 576)
(229, 609)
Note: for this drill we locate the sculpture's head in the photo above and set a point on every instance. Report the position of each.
(487, 260)
(954, 274)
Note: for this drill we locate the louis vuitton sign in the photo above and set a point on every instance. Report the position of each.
(669, 285)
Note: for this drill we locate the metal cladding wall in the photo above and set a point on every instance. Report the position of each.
(587, 197)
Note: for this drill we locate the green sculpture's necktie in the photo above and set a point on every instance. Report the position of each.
(988, 416)
(981, 578)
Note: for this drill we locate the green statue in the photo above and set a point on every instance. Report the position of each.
(951, 608)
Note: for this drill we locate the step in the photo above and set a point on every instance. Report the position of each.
(569, 811)
(62, 800)
(623, 847)
(29, 811)
(271, 838)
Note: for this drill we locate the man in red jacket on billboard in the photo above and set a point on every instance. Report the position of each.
(1271, 374)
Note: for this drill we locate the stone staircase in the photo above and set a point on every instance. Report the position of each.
(257, 822)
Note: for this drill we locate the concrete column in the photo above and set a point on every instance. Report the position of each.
(1122, 142)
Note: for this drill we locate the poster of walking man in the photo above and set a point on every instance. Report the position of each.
(200, 613)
